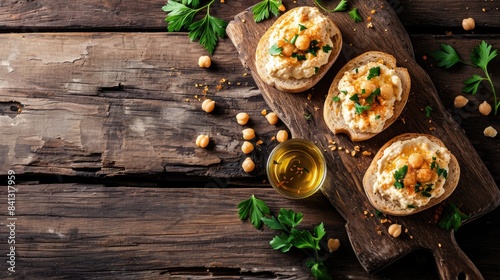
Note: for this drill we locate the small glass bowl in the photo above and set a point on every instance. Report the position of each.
(296, 168)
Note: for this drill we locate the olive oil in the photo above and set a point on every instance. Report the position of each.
(296, 168)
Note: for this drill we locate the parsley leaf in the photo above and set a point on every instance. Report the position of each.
(399, 175)
(253, 208)
(354, 14)
(336, 98)
(341, 6)
(482, 54)
(360, 108)
(179, 16)
(319, 270)
(472, 84)
(372, 96)
(373, 72)
(282, 242)
(263, 9)
(428, 111)
(327, 48)
(208, 29)
(298, 56)
(302, 27)
(447, 56)
(452, 217)
(275, 50)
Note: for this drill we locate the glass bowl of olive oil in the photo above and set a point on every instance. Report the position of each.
(296, 168)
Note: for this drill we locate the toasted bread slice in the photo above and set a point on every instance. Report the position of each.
(332, 112)
(384, 204)
(262, 56)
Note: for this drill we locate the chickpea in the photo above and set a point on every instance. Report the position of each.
(386, 91)
(208, 105)
(468, 24)
(410, 179)
(333, 245)
(287, 49)
(247, 147)
(368, 88)
(272, 118)
(248, 134)
(202, 141)
(394, 230)
(248, 165)
(282, 136)
(485, 108)
(424, 175)
(490, 131)
(242, 118)
(460, 101)
(415, 160)
(303, 42)
(204, 61)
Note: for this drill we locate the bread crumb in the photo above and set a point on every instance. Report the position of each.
(369, 25)
(356, 148)
(366, 153)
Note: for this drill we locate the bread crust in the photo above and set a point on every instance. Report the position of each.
(332, 111)
(293, 85)
(371, 173)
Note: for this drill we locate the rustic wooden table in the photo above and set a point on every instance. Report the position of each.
(100, 107)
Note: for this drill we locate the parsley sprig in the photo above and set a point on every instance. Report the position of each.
(341, 6)
(452, 217)
(399, 176)
(480, 56)
(290, 235)
(180, 15)
(265, 8)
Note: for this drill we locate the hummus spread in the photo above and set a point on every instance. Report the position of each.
(411, 172)
(367, 96)
(300, 44)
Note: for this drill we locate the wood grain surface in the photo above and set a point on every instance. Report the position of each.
(343, 187)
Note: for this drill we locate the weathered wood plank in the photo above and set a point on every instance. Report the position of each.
(36, 16)
(123, 103)
(90, 231)
(91, 100)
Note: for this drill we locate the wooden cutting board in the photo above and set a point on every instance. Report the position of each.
(476, 193)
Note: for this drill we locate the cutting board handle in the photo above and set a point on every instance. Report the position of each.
(453, 263)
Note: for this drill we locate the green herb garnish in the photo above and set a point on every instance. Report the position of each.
(452, 217)
(255, 209)
(373, 72)
(299, 56)
(313, 47)
(480, 57)
(275, 50)
(265, 8)
(428, 111)
(354, 14)
(327, 48)
(290, 236)
(441, 172)
(302, 27)
(360, 108)
(344, 91)
(372, 96)
(399, 175)
(341, 6)
(208, 29)
(336, 98)
(316, 69)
